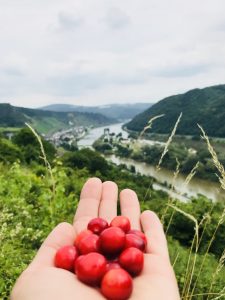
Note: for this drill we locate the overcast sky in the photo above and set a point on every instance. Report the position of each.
(91, 52)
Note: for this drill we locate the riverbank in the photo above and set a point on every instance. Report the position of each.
(165, 180)
(186, 154)
(165, 177)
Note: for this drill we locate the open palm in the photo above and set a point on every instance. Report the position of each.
(43, 281)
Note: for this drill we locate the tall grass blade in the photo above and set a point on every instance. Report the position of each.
(168, 142)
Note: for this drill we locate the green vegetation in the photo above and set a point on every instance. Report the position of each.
(187, 158)
(48, 125)
(9, 152)
(8, 129)
(203, 106)
(30, 207)
(24, 148)
(187, 150)
(48, 121)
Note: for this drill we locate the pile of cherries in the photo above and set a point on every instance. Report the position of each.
(106, 256)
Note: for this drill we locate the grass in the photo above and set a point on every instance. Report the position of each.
(49, 169)
(189, 286)
(149, 125)
(165, 150)
(187, 292)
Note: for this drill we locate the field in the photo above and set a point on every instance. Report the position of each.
(8, 129)
(48, 125)
(194, 142)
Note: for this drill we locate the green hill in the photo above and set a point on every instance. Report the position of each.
(204, 106)
(47, 121)
(117, 111)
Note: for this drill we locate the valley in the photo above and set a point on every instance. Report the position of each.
(164, 177)
(36, 195)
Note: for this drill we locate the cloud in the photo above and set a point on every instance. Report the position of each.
(97, 51)
(220, 27)
(79, 83)
(117, 18)
(183, 70)
(11, 72)
(67, 21)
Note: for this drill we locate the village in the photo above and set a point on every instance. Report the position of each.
(69, 136)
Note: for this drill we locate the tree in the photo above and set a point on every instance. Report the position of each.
(9, 152)
(30, 147)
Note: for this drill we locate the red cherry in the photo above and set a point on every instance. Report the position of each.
(111, 265)
(132, 260)
(139, 233)
(112, 240)
(81, 235)
(91, 268)
(89, 244)
(97, 225)
(117, 285)
(65, 257)
(133, 240)
(79, 258)
(121, 222)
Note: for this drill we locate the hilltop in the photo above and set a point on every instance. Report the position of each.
(203, 106)
(120, 112)
(46, 121)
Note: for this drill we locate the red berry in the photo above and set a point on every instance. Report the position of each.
(88, 244)
(139, 233)
(79, 258)
(91, 268)
(117, 285)
(112, 240)
(132, 260)
(133, 240)
(111, 265)
(97, 225)
(81, 235)
(121, 222)
(65, 257)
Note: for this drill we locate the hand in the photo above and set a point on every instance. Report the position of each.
(42, 281)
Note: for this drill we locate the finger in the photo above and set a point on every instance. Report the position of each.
(154, 232)
(130, 207)
(89, 203)
(108, 205)
(62, 235)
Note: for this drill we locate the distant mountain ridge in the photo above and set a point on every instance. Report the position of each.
(46, 121)
(120, 112)
(203, 106)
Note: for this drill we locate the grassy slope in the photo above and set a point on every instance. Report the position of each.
(48, 125)
(9, 129)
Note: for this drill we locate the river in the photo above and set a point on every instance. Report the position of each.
(96, 133)
(197, 186)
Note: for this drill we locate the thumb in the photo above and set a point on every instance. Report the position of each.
(63, 234)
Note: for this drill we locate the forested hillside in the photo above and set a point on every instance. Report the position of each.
(203, 106)
(45, 121)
